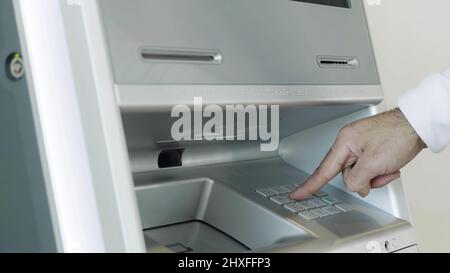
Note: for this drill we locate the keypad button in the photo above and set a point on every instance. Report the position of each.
(281, 199)
(290, 188)
(307, 204)
(330, 200)
(321, 213)
(318, 202)
(308, 215)
(331, 210)
(344, 207)
(294, 207)
(266, 192)
(320, 194)
(279, 190)
(285, 189)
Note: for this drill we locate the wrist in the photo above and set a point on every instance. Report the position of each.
(411, 131)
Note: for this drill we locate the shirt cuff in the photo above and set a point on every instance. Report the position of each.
(427, 108)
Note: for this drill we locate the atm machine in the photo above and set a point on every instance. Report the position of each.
(100, 89)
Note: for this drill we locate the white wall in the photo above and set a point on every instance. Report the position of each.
(411, 40)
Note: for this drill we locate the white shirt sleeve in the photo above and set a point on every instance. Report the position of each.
(427, 108)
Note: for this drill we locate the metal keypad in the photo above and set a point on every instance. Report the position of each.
(281, 199)
(332, 210)
(320, 206)
(308, 215)
(331, 200)
(294, 207)
(318, 202)
(320, 212)
(267, 192)
(307, 204)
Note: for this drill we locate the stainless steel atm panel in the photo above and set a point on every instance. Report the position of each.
(252, 42)
(130, 62)
(25, 214)
(313, 58)
(256, 51)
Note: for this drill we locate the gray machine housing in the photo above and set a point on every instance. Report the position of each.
(25, 217)
(131, 62)
(165, 53)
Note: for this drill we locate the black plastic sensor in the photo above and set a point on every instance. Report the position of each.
(170, 158)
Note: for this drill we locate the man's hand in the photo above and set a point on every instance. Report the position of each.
(369, 153)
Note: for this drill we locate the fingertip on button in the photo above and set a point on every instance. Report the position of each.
(299, 195)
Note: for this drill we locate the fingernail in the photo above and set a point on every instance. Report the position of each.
(363, 195)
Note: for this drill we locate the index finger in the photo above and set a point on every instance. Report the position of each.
(330, 167)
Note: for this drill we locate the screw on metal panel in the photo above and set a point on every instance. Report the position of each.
(14, 66)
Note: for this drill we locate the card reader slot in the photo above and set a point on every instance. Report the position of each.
(337, 62)
(175, 55)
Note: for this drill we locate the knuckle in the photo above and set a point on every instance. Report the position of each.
(346, 132)
(353, 187)
(323, 175)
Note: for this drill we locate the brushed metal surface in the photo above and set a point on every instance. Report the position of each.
(154, 98)
(26, 223)
(194, 237)
(261, 41)
(224, 197)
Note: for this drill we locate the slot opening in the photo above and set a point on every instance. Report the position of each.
(333, 62)
(170, 158)
(187, 56)
(337, 62)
